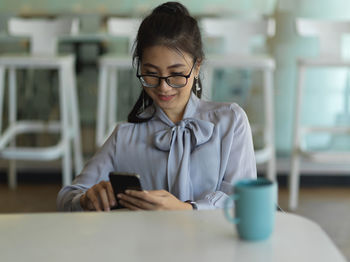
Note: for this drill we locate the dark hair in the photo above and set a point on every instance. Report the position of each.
(171, 25)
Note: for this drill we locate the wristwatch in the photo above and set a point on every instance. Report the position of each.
(193, 204)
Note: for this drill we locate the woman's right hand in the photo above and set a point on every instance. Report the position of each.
(100, 197)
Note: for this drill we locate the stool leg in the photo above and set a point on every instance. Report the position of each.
(295, 159)
(12, 175)
(75, 122)
(101, 105)
(64, 83)
(269, 132)
(113, 90)
(67, 166)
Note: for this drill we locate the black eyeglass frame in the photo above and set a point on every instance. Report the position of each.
(166, 78)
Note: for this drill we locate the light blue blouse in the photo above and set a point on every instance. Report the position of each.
(198, 158)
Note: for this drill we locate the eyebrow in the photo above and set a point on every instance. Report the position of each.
(169, 67)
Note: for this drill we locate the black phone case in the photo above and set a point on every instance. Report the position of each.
(123, 181)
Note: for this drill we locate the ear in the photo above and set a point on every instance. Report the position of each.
(197, 67)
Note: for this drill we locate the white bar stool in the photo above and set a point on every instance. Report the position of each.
(43, 35)
(109, 65)
(329, 34)
(237, 35)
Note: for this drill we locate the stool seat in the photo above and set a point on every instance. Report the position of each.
(111, 60)
(21, 61)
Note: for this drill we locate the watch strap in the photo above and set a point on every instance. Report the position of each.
(193, 204)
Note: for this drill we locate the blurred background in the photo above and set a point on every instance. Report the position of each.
(324, 188)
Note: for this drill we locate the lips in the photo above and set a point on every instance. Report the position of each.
(165, 97)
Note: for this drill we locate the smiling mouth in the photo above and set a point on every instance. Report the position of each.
(165, 97)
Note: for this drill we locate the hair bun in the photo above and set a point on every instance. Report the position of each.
(174, 8)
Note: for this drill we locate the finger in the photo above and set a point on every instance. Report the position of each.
(91, 206)
(154, 197)
(88, 204)
(110, 193)
(104, 199)
(143, 195)
(92, 198)
(128, 205)
(138, 202)
(136, 193)
(84, 203)
(159, 192)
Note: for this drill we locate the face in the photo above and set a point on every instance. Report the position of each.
(163, 61)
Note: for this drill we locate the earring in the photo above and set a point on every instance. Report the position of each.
(197, 87)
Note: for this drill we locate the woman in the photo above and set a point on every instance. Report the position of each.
(188, 152)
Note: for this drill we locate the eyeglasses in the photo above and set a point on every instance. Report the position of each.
(175, 81)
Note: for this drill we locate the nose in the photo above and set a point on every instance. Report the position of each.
(163, 85)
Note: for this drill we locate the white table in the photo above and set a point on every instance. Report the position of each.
(179, 236)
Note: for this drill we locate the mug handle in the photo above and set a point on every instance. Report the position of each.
(228, 216)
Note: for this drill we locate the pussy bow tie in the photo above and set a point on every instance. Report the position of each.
(180, 140)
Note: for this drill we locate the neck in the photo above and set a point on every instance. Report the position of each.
(174, 116)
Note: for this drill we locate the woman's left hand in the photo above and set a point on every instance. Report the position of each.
(151, 200)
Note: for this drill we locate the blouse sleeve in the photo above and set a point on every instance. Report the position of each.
(239, 159)
(95, 170)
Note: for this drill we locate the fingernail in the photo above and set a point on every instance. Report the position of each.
(127, 191)
(119, 195)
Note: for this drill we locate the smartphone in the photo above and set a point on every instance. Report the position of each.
(122, 181)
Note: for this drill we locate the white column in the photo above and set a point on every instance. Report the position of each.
(65, 128)
(269, 130)
(295, 158)
(101, 104)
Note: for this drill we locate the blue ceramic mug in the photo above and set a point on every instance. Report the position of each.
(255, 207)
